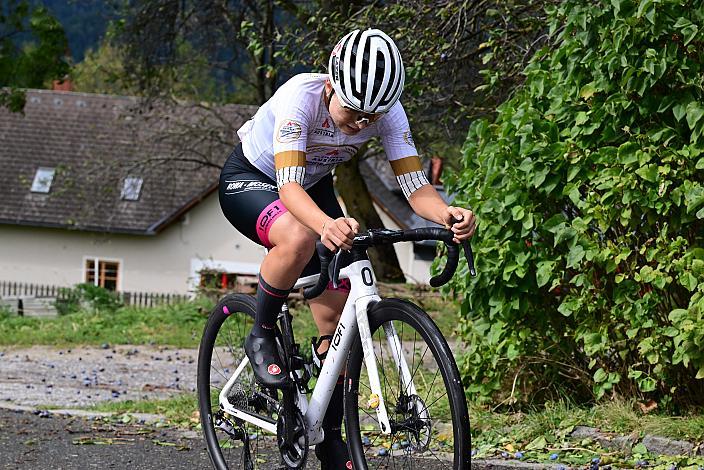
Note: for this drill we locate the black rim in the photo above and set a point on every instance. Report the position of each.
(213, 366)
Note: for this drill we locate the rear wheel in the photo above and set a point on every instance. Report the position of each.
(429, 428)
(232, 442)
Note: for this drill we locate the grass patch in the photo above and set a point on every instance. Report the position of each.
(179, 410)
(542, 432)
(178, 325)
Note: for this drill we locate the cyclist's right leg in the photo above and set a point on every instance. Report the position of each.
(250, 201)
(292, 245)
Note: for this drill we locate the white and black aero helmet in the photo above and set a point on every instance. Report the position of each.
(366, 71)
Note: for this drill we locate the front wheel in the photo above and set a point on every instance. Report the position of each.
(428, 415)
(232, 442)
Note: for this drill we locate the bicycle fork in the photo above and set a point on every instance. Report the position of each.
(376, 400)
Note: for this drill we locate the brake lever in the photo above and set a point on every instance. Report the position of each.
(335, 268)
(468, 254)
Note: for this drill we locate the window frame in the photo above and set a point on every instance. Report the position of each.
(97, 260)
(133, 189)
(43, 179)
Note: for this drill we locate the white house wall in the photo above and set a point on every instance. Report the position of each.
(165, 263)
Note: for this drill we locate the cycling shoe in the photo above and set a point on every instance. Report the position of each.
(269, 369)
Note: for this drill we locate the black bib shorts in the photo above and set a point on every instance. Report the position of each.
(250, 201)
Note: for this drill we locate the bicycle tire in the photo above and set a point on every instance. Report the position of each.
(403, 314)
(238, 308)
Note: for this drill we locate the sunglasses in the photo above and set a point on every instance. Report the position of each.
(362, 118)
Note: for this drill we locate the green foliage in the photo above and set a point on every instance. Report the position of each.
(103, 71)
(95, 298)
(589, 189)
(544, 430)
(444, 44)
(33, 46)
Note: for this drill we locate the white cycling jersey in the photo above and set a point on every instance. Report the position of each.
(292, 137)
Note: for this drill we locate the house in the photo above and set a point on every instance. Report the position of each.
(97, 189)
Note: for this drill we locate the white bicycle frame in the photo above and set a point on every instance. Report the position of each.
(354, 319)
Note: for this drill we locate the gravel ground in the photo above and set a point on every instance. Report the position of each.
(44, 440)
(29, 441)
(77, 377)
(43, 376)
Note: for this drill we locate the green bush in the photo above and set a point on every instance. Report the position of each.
(588, 187)
(87, 296)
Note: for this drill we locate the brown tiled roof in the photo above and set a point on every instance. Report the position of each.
(94, 142)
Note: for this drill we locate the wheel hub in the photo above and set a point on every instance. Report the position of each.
(415, 422)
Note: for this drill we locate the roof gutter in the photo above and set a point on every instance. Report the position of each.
(78, 228)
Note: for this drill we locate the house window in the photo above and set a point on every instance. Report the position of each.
(131, 188)
(102, 273)
(42, 180)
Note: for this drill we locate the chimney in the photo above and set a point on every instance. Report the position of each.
(62, 85)
(435, 171)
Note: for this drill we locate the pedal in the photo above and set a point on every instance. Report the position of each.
(302, 370)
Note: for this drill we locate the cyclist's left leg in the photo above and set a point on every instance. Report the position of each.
(326, 309)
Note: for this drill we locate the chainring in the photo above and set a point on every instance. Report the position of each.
(294, 454)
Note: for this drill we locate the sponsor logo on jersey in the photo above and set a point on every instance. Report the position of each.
(289, 131)
(242, 186)
(324, 129)
(408, 138)
(325, 157)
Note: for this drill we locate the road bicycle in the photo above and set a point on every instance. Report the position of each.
(406, 408)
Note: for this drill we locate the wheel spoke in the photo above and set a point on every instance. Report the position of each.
(430, 389)
(420, 363)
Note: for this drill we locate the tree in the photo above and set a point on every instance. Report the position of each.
(234, 41)
(104, 71)
(438, 39)
(253, 34)
(261, 43)
(33, 50)
(589, 189)
(448, 48)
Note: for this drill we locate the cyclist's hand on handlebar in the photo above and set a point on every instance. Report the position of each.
(465, 223)
(339, 233)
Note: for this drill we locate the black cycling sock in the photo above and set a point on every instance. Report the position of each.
(269, 302)
(332, 422)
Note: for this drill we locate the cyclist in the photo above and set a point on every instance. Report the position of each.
(276, 188)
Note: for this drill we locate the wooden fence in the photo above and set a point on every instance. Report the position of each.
(138, 299)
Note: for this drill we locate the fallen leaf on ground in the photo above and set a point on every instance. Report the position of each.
(648, 406)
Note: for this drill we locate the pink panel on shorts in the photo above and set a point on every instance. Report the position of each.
(266, 219)
(342, 286)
